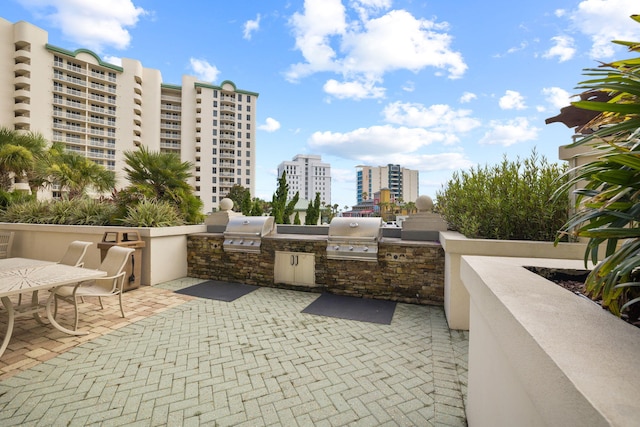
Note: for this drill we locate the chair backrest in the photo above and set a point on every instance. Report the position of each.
(75, 253)
(6, 242)
(115, 260)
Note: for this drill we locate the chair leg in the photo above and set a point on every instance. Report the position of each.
(75, 306)
(121, 307)
(101, 306)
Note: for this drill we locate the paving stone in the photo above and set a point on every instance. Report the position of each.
(256, 361)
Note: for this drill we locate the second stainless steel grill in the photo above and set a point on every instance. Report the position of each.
(244, 233)
(354, 238)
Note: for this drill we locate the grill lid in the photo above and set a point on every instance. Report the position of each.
(358, 228)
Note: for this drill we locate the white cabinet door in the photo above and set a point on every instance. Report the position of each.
(295, 268)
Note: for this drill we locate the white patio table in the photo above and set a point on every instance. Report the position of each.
(22, 275)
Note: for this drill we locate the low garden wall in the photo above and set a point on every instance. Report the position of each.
(405, 271)
(164, 256)
(540, 355)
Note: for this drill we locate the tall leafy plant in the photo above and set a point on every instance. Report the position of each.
(608, 194)
(509, 200)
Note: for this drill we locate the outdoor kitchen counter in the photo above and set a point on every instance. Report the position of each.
(404, 270)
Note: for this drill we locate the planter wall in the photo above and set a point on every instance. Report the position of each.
(163, 258)
(540, 355)
(456, 296)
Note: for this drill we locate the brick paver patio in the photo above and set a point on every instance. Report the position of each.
(177, 360)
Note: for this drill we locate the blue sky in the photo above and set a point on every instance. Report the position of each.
(436, 86)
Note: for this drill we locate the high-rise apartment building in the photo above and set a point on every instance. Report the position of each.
(308, 175)
(403, 183)
(101, 110)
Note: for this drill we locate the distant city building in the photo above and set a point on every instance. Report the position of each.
(308, 175)
(100, 110)
(401, 182)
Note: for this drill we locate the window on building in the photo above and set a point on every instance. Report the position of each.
(215, 131)
(215, 123)
(213, 199)
(215, 104)
(214, 141)
(248, 162)
(214, 180)
(247, 153)
(239, 144)
(214, 170)
(215, 113)
(214, 151)
(248, 126)
(248, 98)
(239, 116)
(247, 172)
(239, 181)
(248, 181)
(248, 116)
(248, 135)
(239, 162)
(239, 98)
(239, 172)
(248, 144)
(248, 107)
(215, 93)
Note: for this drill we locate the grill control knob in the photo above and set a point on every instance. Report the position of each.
(366, 248)
(337, 248)
(350, 248)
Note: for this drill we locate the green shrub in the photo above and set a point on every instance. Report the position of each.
(152, 213)
(31, 212)
(511, 200)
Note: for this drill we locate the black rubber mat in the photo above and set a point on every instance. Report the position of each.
(221, 291)
(352, 308)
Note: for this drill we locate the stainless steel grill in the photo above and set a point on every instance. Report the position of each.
(244, 233)
(354, 238)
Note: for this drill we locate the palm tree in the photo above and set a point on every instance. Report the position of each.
(19, 155)
(77, 174)
(164, 174)
(161, 176)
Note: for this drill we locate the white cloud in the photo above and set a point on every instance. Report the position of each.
(372, 143)
(115, 60)
(270, 125)
(563, 48)
(92, 24)
(468, 97)
(604, 21)
(512, 100)
(353, 90)
(203, 70)
(431, 162)
(438, 117)
(364, 49)
(557, 97)
(510, 132)
(250, 27)
(409, 86)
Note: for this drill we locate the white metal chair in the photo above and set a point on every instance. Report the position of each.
(75, 253)
(114, 264)
(6, 243)
(74, 256)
